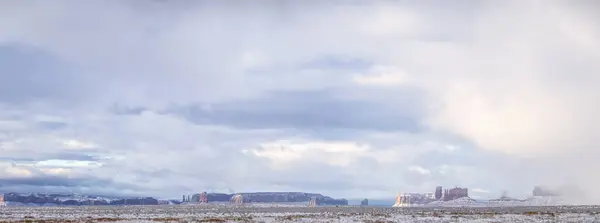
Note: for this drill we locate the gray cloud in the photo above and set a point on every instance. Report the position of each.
(56, 184)
(53, 181)
(52, 125)
(29, 74)
(308, 110)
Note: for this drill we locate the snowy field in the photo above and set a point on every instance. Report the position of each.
(219, 213)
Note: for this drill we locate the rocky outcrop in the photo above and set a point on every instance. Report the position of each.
(135, 201)
(364, 202)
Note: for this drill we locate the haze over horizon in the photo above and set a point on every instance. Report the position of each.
(349, 99)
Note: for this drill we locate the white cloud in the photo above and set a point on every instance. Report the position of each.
(479, 190)
(75, 144)
(55, 171)
(12, 125)
(67, 163)
(391, 21)
(333, 153)
(15, 171)
(419, 170)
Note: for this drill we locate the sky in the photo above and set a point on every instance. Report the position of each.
(353, 99)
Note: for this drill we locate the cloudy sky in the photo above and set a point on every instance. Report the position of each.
(346, 98)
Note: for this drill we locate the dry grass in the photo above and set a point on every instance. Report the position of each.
(294, 217)
(377, 221)
(191, 214)
(166, 219)
(212, 220)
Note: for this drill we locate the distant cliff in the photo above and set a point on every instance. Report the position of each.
(74, 199)
(273, 197)
(71, 199)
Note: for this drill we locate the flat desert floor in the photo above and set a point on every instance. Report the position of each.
(209, 213)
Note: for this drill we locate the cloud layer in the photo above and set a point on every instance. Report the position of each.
(355, 99)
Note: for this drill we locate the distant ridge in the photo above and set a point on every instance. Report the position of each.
(55, 199)
(52, 199)
(268, 197)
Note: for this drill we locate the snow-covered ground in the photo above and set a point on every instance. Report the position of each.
(262, 205)
(468, 202)
(251, 213)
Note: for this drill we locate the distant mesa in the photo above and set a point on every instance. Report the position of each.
(460, 197)
(440, 194)
(36, 199)
(440, 197)
(263, 197)
(41, 199)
